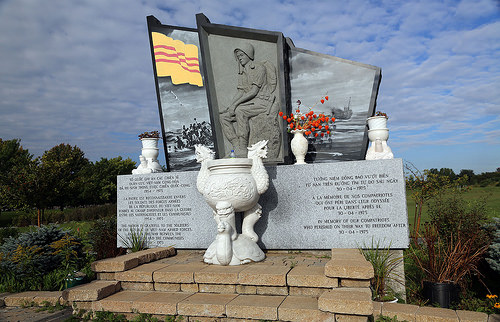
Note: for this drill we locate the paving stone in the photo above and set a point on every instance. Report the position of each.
(154, 254)
(351, 318)
(494, 318)
(302, 308)
(93, 291)
(217, 274)
(142, 273)
(262, 307)
(205, 304)
(272, 290)
(402, 311)
(52, 298)
(109, 276)
(352, 268)
(20, 299)
(18, 314)
(85, 305)
(217, 288)
(178, 273)
(190, 288)
(356, 301)
(246, 289)
(468, 316)
(343, 253)
(264, 275)
(133, 286)
(116, 264)
(119, 302)
(167, 287)
(356, 283)
(434, 314)
(377, 309)
(306, 291)
(310, 276)
(159, 302)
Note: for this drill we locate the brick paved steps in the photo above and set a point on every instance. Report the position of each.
(286, 286)
(257, 307)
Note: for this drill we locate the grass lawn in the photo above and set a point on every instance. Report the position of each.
(491, 193)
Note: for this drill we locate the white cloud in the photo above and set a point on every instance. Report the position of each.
(80, 72)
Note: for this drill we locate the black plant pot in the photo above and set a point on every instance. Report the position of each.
(442, 294)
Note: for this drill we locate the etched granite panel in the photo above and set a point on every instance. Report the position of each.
(313, 206)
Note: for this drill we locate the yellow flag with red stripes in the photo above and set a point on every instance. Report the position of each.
(176, 59)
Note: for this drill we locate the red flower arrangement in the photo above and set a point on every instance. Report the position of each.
(149, 135)
(313, 124)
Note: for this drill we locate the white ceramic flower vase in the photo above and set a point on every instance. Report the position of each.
(299, 146)
(149, 157)
(378, 134)
(377, 122)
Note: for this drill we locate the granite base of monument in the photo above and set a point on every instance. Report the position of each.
(313, 206)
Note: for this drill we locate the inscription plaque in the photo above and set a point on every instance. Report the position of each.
(313, 206)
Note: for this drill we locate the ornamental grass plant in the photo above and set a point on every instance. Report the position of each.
(446, 259)
(385, 263)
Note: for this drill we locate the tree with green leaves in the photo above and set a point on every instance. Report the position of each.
(100, 179)
(13, 157)
(63, 165)
(426, 185)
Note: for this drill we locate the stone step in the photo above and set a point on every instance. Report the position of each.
(297, 274)
(129, 261)
(37, 298)
(256, 307)
(93, 291)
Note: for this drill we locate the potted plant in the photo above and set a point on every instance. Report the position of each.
(384, 263)
(445, 264)
(378, 121)
(302, 125)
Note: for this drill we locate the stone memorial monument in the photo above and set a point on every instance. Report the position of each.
(237, 207)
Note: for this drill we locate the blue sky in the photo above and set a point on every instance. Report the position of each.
(81, 73)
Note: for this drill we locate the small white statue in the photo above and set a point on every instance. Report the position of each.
(143, 167)
(379, 150)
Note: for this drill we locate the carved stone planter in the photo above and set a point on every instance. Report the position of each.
(230, 186)
(231, 180)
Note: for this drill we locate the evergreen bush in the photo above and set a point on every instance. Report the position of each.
(493, 257)
(32, 252)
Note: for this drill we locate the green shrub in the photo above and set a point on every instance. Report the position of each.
(493, 257)
(457, 218)
(39, 260)
(7, 232)
(102, 236)
(35, 245)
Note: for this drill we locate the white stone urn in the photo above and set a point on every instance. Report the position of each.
(377, 122)
(299, 146)
(230, 186)
(149, 157)
(378, 134)
(231, 180)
